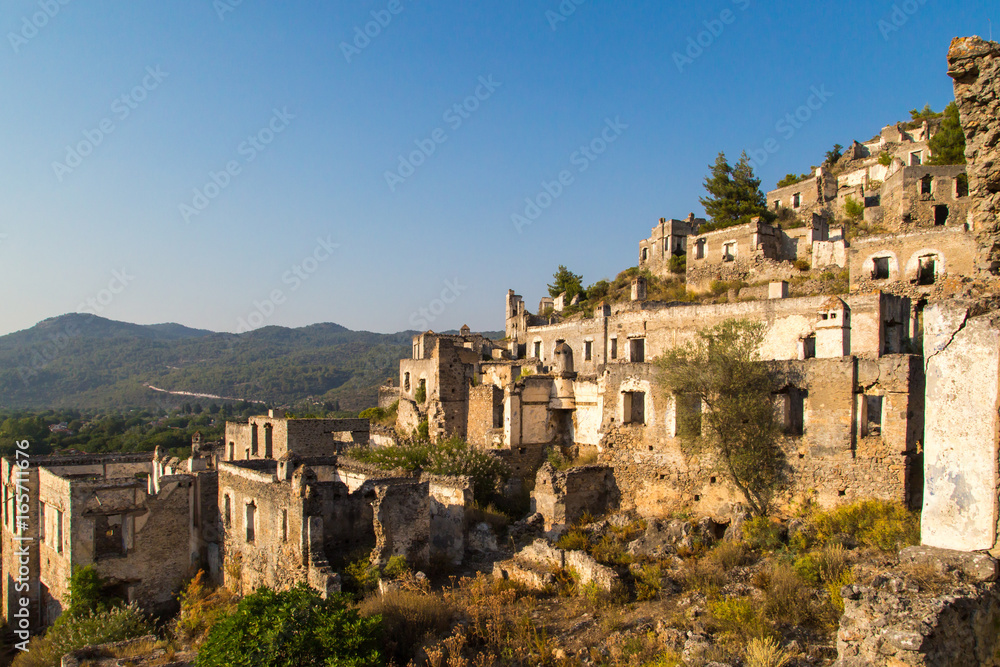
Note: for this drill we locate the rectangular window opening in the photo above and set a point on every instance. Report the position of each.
(588, 350)
(637, 350)
(634, 407)
(940, 215)
(251, 517)
(880, 270)
(614, 348)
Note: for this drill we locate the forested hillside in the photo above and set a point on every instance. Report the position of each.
(85, 361)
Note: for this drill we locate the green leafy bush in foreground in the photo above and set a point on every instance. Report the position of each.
(70, 633)
(293, 628)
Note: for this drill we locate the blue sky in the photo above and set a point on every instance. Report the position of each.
(224, 164)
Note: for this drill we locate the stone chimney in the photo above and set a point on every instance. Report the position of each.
(639, 288)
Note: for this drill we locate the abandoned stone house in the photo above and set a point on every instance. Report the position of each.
(274, 504)
(141, 521)
(850, 395)
(851, 386)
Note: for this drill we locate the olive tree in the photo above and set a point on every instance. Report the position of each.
(736, 426)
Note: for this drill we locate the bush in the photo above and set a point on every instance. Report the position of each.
(201, 608)
(648, 582)
(87, 593)
(292, 628)
(421, 393)
(739, 619)
(885, 525)
(762, 533)
(785, 598)
(854, 210)
(453, 456)
(802, 264)
(678, 264)
(729, 554)
(360, 576)
(885, 158)
(70, 633)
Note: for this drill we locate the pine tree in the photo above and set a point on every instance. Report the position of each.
(734, 194)
(565, 281)
(948, 145)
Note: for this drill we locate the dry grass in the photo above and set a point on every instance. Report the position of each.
(766, 653)
(409, 617)
(786, 596)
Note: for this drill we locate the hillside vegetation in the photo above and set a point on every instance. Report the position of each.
(85, 361)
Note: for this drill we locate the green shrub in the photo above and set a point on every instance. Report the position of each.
(648, 582)
(292, 628)
(802, 264)
(421, 393)
(881, 524)
(678, 264)
(372, 414)
(833, 588)
(360, 577)
(72, 632)
(87, 593)
(762, 533)
(885, 158)
(854, 210)
(739, 619)
(573, 540)
(454, 456)
(808, 567)
(396, 567)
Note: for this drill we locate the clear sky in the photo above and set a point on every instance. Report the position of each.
(212, 163)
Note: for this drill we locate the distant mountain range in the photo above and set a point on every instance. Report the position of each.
(86, 361)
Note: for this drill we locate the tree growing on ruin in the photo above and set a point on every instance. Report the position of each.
(734, 194)
(566, 281)
(736, 425)
(833, 155)
(948, 145)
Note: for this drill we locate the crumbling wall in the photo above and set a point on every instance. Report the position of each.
(953, 248)
(449, 499)
(961, 446)
(485, 415)
(563, 496)
(402, 523)
(974, 64)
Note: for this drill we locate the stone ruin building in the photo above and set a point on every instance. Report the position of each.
(274, 504)
(855, 368)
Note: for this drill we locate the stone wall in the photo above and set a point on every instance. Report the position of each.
(961, 444)
(486, 414)
(563, 496)
(974, 64)
(904, 204)
(402, 516)
(273, 437)
(953, 250)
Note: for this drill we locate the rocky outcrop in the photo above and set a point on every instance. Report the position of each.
(974, 64)
(898, 620)
(536, 564)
